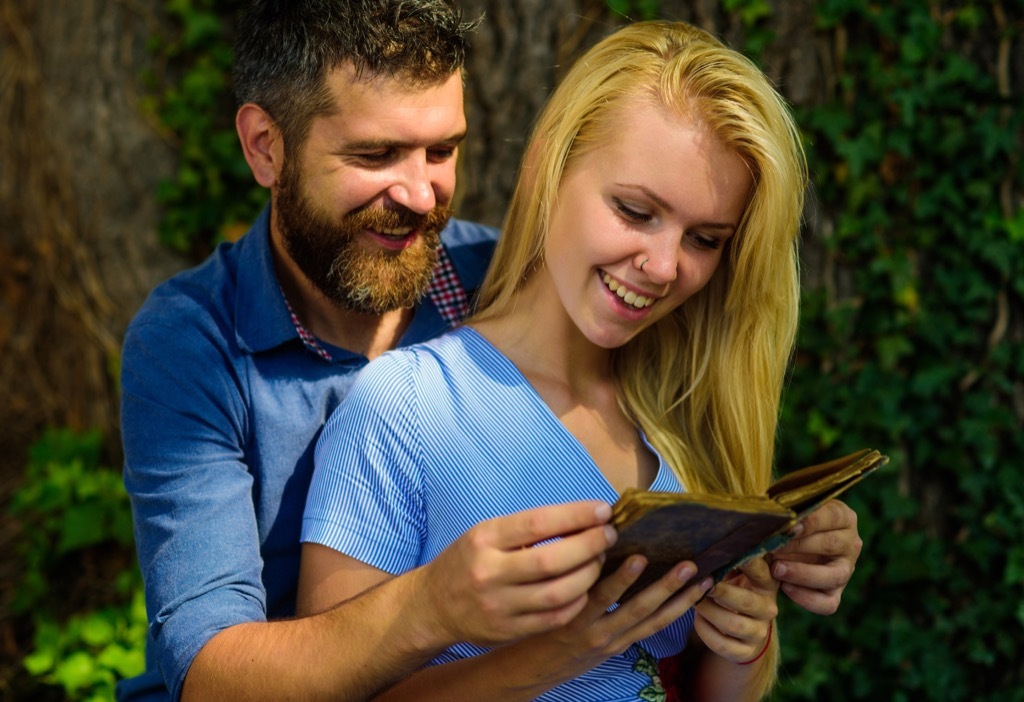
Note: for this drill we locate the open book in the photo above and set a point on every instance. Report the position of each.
(721, 532)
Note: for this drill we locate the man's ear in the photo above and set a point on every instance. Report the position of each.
(262, 143)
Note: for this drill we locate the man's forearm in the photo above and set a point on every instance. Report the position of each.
(516, 673)
(350, 652)
(526, 669)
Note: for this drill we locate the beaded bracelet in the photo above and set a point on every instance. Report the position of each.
(767, 643)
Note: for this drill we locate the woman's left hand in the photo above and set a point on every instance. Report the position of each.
(735, 617)
(815, 567)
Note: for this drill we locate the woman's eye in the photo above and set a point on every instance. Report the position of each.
(706, 242)
(631, 214)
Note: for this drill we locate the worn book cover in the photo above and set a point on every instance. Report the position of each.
(720, 532)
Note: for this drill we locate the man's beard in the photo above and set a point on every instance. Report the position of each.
(329, 253)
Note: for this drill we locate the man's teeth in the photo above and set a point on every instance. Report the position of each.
(628, 296)
(398, 231)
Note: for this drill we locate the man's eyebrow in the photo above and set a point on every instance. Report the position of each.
(371, 144)
(662, 203)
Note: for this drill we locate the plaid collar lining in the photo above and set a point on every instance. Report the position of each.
(445, 291)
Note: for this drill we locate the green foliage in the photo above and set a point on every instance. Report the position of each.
(636, 9)
(89, 653)
(752, 15)
(909, 347)
(212, 193)
(68, 503)
(71, 509)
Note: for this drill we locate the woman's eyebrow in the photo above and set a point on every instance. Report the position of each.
(662, 203)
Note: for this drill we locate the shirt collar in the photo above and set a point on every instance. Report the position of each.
(262, 319)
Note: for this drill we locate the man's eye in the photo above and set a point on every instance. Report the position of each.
(439, 155)
(375, 158)
(631, 214)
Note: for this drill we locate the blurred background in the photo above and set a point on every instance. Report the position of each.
(119, 165)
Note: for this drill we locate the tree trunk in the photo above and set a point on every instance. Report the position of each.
(79, 165)
(517, 55)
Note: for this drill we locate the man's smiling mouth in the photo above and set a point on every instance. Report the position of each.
(394, 232)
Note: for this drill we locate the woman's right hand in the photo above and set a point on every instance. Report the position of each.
(596, 633)
(531, 666)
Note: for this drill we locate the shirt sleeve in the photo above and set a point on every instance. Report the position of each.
(366, 497)
(184, 428)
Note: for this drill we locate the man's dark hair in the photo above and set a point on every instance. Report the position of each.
(286, 48)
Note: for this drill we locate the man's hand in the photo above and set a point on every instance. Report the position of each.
(815, 567)
(493, 585)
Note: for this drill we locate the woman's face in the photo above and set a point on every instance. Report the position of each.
(640, 224)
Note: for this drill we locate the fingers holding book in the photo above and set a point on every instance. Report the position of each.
(598, 631)
(735, 620)
(815, 567)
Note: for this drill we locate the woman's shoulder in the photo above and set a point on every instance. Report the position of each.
(394, 371)
(452, 349)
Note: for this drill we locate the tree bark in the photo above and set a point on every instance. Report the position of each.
(517, 55)
(80, 161)
(79, 165)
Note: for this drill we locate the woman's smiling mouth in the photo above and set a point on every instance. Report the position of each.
(627, 295)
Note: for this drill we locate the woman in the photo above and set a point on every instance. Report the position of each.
(634, 330)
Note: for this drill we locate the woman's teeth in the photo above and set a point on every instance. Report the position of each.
(628, 296)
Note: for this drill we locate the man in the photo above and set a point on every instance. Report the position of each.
(351, 114)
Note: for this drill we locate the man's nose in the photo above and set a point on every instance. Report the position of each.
(413, 188)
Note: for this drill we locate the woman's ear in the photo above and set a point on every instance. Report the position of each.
(262, 143)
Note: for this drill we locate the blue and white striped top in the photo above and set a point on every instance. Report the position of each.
(437, 437)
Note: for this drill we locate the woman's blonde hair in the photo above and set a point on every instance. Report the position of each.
(705, 382)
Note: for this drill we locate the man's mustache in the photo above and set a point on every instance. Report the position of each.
(400, 218)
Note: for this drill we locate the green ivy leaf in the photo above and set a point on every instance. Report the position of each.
(1014, 567)
(39, 662)
(84, 525)
(76, 671)
(126, 662)
(97, 629)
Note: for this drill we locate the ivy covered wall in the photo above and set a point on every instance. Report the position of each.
(912, 341)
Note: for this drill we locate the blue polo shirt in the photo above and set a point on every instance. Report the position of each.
(222, 404)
